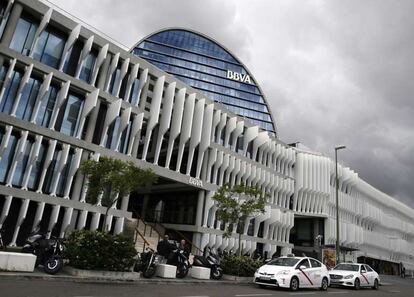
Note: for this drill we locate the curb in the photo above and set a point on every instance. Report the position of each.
(103, 279)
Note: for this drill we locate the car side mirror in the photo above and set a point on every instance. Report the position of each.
(363, 271)
(302, 267)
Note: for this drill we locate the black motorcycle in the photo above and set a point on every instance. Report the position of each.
(48, 252)
(147, 262)
(179, 258)
(211, 260)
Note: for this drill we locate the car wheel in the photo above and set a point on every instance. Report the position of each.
(376, 285)
(294, 283)
(357, 284)
(324, 285)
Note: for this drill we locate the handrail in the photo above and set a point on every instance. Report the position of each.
(182, 236)
(143, 238)
(146, 224)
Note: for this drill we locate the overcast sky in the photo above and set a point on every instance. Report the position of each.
(334, 71)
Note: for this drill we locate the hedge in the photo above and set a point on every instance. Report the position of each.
(240, 266)
(95, 250)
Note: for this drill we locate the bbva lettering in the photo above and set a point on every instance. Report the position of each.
(239, 76)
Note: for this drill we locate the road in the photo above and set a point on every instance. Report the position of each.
(56, 288)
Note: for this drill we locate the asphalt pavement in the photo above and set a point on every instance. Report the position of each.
(10, 287)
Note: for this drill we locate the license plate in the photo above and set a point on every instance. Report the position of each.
(265, 277)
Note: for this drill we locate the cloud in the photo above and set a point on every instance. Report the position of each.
(334, 72)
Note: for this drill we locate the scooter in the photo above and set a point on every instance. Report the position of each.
(211, 260)
(147, 262)
(180, 259)
(48, 252)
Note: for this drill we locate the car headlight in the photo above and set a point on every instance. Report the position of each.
(284, 272)
(349, 276)
(257, 270)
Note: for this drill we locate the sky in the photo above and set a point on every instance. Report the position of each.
(334, 72)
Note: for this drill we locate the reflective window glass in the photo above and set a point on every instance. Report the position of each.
(10, 93)
(72, 115)
(46, 107)
(28, 99)
(87, 67)
(36, 168)
(22, 39)
(21, 165)
(49, 48)
(7, 158)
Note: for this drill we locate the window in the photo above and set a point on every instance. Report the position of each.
(113, 134)
(10, 92)
(3, 72)
(37, 167)
(46, 107)
(52, 171)
(123, 145)
(64, 175)
(87, 66)
(133, 98)
(7, 158)
(49, 48)
(72, 115)
(72, 58)
(28, 99)
(304, 262)
(369, 269)
(21, 165)
(115, 81)
(23, 37)
(315, 263)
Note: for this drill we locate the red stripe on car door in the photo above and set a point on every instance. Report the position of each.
(365, 278)
(306, 276)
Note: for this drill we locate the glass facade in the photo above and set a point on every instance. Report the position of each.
(208, 67)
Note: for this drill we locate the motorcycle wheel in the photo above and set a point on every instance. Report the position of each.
(53, 265)
(149, 272)
(216, 273)
(182, 271)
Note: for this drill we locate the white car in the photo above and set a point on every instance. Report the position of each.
(354, 275)
(293, 273)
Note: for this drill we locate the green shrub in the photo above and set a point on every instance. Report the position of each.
(240, 266)
(95, 250)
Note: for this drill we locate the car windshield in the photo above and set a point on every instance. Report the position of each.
(284, 262)
(348, 267)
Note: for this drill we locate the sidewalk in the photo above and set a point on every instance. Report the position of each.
(66, 276)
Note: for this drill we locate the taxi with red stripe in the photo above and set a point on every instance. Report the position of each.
(354, 275)
(294, 273)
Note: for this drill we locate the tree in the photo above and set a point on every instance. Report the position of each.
(110, 179)
(235, 204)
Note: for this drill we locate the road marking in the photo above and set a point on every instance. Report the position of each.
(394, 291)
(304, 293)
(246, 295)
(338, 292)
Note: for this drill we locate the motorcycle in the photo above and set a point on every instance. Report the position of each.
(147, 262)
(48, 252)
(211, 260)
(180, 259)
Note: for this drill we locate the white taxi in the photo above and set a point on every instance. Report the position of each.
(293, 273)
(354, 275)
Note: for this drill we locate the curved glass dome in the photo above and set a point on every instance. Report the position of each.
(207, 66)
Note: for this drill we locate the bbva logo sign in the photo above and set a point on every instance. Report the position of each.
(239, 76)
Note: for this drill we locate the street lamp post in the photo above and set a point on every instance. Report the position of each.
(337, 148)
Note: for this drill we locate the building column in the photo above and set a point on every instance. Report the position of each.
(200, 205)
(11, 24)
(119, 225)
